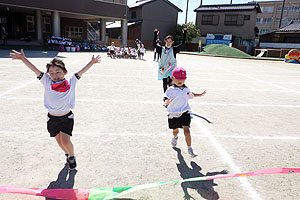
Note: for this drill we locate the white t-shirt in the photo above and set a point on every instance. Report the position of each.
(59, 102)
(142, 50)
(180, 102)
(112, 48)
(133, 53)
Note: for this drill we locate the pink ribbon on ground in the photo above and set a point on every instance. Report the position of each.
(109, 193)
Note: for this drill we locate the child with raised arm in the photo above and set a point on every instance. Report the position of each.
(59, 99)
(176, 101)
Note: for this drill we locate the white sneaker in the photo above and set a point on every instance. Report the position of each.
(191, 152)
(174, 141)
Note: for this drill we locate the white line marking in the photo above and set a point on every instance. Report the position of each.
(166, 134)
(160, 102)
(191, 78)
(158, 84)
(227, 158)
(265, 82)
(207, 88)
(255, 75)
(16, 88)
(24, 84)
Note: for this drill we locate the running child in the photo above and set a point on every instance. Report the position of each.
(59, 99)
(176, 101)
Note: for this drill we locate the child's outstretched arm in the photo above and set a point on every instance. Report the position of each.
(199, 95)
(94, 60)
(20, 56)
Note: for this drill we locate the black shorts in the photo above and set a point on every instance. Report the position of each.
(183, 120)
(112, 52)
(63, 123)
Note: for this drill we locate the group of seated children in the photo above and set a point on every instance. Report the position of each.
(59, 43)
(55, 42)
(126, 52)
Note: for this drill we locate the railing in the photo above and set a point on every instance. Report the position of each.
(92, 34)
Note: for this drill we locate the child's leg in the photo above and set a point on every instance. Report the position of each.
(59, 142)
(175, 132)
(187, 135)
(188, 140)
(66, 143)
(175, 137)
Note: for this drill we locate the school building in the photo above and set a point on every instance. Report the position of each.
(235, 20)
(276, 14)
(35, 20)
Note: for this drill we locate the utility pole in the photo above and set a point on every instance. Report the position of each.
(187, 8)
(230, 1)
(281, 13)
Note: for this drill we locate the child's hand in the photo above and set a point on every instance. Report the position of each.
(17, 55)
(96, 60)
(184, 30)
(168, 101)
(199, 95)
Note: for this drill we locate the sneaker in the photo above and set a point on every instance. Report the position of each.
(72, 162)
(191, 152)
(174, 141)
(67, 155)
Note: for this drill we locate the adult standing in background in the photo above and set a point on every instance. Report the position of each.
(167, 62)
(3, 35)
(157, 51)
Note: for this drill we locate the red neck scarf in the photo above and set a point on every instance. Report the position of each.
(61, 86)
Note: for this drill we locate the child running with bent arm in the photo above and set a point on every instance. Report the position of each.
(176, 101)
(59, 99)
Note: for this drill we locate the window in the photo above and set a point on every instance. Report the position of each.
(279, 8)
(267, 9)
(258, 20)
(289, 20)
(210, 20)
(3, 20)
(46, 25)
(267, 20)
(133, 14)
(264, 30)
(293, 8)
(277, 20)
(246, 17)
(30, 23)
(234, 20)
(73, 32)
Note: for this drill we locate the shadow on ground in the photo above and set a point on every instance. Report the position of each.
(204, 188)
(64, 181)
(32, 53)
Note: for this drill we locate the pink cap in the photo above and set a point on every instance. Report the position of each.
(179, 73)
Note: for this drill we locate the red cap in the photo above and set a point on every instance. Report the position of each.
(179, 73)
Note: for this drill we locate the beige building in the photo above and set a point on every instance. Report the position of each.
(237, 20)
(269, 19)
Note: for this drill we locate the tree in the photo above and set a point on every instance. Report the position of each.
(192, 32)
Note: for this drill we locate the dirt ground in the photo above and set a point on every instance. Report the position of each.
(121, 136)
